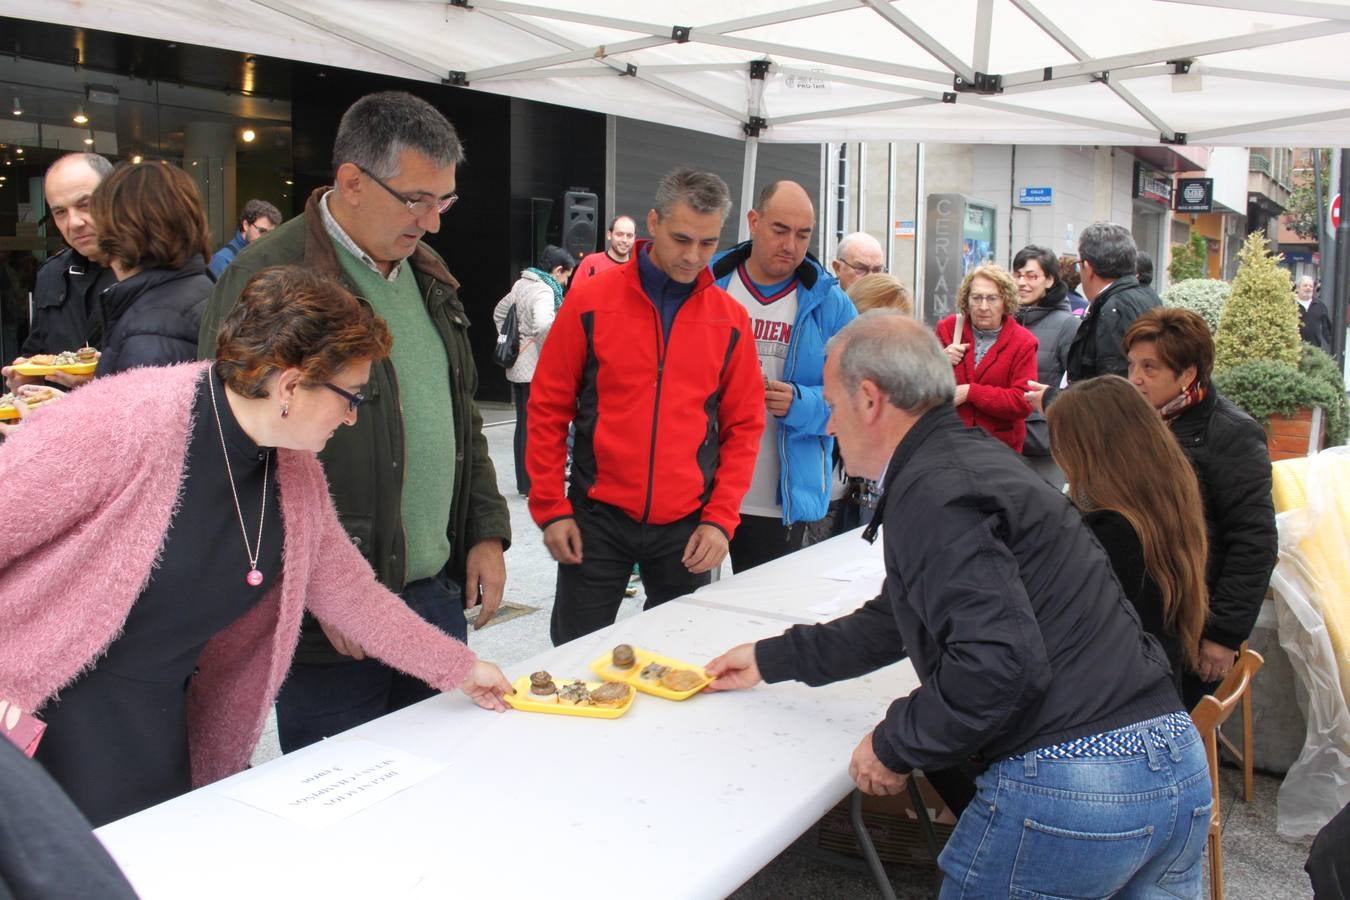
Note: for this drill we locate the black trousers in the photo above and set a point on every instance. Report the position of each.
(521, 394)
(761, 539)
(589, 594)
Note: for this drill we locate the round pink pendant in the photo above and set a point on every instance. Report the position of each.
(254, 577)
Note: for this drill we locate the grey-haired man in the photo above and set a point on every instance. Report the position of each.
(412, 479)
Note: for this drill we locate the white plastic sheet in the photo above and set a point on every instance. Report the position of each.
(1313, 540)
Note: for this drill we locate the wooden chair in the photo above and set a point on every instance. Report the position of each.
(1211, 712)
(1244, 759)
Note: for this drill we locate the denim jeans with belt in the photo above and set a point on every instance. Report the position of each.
(1127, 824)
(319, 700)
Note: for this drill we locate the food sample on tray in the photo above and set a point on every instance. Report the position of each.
(541, 692)
(651, 673)
(74, 362)
(542, 688)
(34, 398)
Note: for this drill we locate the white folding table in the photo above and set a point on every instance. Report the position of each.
(672, 800)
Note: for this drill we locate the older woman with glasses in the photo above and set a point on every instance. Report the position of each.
(993, 358)
(153, 598)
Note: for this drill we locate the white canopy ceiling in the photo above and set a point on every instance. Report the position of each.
(1127, 72)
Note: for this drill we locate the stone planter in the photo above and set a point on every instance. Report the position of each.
(1301, 434)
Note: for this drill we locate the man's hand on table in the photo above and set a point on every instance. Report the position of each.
(563, 540)
(706, 549)
(486, 686)
(485, 579)
(734, 669)
(871, 775)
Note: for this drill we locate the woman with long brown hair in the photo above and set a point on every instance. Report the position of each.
(1140, 497)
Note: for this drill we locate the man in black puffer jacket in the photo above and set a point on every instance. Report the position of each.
(1106, 262)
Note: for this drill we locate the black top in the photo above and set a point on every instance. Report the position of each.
(46, 850)
(117, 738)
(1227, 450)
(999, 595)
(64, 296)
(1314, 325)
(150, 319)
(1126, 552)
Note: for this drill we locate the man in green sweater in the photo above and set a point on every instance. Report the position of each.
(412, 479)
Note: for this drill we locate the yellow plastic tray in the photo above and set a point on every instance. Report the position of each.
(521, 700)
(31, 370)
(10, 412)
(605, 669)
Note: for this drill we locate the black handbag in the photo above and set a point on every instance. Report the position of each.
(508, 341)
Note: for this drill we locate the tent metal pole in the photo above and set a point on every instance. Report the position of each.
(358, 38)
(920, 232)
(984, 29)
(926, 41)
(1341, 291)
(1184, 51)
(1280, 7)
(849, 111)
(539, 62)
(562, 15)
(1060, 37)
(1331, 115)
(889, 230)
(830, 59)
(748, 168)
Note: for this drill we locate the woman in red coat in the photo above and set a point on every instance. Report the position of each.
(993, 358)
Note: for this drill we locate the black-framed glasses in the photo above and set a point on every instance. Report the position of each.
(353, 400)
(418, 207)
(862, 270)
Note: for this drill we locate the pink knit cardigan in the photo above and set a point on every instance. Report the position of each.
(90, 486)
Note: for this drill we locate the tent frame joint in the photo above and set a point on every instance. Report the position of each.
(948, 97)
(456, 78)
(1181, 66)
(979, 83)
(1101, 77)
(629, 71)
(1176, 137)
(461, 4)
(754, 125)
(759, 69)
(680, 33)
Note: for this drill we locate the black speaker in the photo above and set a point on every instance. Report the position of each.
(580, 212)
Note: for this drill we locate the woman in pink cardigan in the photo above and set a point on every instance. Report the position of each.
(172, 526)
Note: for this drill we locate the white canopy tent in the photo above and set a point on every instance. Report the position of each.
(1130, 72)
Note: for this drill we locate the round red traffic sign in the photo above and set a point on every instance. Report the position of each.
(1336, 211)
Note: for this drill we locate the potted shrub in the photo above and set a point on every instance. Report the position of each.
(1204, 296)
(1260, 364)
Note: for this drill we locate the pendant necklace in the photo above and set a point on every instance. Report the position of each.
(254, 577)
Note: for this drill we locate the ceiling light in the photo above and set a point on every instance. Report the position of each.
(137, 159)
(248, 135)
(80, 118)
(89, 140)
(18, 150)
(18, 107)
(289, 181)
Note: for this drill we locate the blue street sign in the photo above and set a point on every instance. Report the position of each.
(1034, 196)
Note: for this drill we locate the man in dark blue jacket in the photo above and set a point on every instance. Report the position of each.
(1032, 663)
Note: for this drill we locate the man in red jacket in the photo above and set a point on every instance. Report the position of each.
(656, 367)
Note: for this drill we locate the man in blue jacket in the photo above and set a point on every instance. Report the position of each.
(795, 306)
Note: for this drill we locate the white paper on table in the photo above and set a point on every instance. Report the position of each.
(848, 598)
(333, 780)
(873, 567)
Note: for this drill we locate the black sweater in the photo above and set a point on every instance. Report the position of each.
(1005, 603)
(1126, 552)
(151, 319)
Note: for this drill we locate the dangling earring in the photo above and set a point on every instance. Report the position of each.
(285, 410)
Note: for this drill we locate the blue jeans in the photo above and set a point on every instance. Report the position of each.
(319, 700)
(1128, 826)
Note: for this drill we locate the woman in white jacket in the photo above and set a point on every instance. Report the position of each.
(537, 295)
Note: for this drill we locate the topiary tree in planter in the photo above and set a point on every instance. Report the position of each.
(1189, 260)
(1261, 365)
(1204, 296)
(1260, 319)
